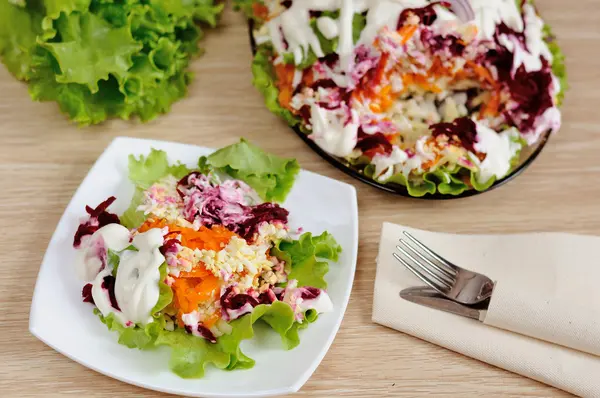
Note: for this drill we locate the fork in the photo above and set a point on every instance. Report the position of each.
(456, 283)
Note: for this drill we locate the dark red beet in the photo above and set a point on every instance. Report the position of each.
(310, 293)
(267, 297)
(264, 212)
(170, 246)
(372, 144)
(108, 283)
(207, 334)
(441, 43)
(86, 294)
(98, 218)
(532, 92)
(461, 131)
(330, 59)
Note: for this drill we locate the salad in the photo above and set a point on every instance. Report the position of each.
(408, 92)
(201, 255)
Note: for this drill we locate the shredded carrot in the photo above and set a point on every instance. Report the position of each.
(152, 223)
(481, 72)
(213, 238)
(308, 77)
(491, 107)
(260, 11)
(285, 80)
(430, 163)
(379, 72)
(407, 31)
(421, 81)
(437, 69)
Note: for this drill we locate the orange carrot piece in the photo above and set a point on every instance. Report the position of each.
(260, 11)
(407, 31)
(491, 107)
(481, 72)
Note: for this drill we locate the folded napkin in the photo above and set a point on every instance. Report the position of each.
(566, 271)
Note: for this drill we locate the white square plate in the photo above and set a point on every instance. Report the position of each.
(60, 319)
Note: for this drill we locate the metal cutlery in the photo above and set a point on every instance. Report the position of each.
(428, 297)
(456, 283)
(517, 305)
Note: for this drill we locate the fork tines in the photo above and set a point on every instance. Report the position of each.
(428, 266)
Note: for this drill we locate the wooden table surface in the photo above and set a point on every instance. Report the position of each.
(43, 159)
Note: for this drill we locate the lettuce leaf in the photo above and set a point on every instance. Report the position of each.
(18, 32)
(91, 50)
(304, 258)
(143, 338)
(190, 354)
(100, 59)
(558, 63)
(143, 172)
(165, 295)
(146, 170)
(271, 176)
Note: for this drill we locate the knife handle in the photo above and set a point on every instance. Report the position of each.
(545, 316)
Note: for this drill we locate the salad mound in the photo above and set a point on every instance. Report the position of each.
(407, 91)
(200, 256)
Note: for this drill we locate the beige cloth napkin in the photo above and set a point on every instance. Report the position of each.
(566, 270)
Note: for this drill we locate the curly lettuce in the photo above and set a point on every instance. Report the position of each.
(190, 354)
(100, 59)
(558, 62)
(304, 258)
(271, 177)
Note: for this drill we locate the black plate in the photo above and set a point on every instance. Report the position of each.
(528, 155)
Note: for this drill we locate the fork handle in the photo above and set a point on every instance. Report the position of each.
(545, 316)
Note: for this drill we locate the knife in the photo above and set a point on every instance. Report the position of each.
(428, 297)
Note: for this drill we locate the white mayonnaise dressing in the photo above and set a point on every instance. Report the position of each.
(328, 27)
(321, 304)
(385, 13)
(345, 47)
(102, 299)
(499, 148)
(136, 287)
(536, 46)
(330, 133)
(384, 164)
(489, 13)
(136, 284)
(550, 119)
(90, 258)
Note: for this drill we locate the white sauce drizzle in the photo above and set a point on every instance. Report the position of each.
(330, 133)
(384, 164)
(91, 255)
(490, 13)
(136, 287)
(321, 304)
(137, 280)
(328, 27)
(346, 46)
(499, 148)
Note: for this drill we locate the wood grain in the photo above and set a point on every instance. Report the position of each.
(43, 158)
